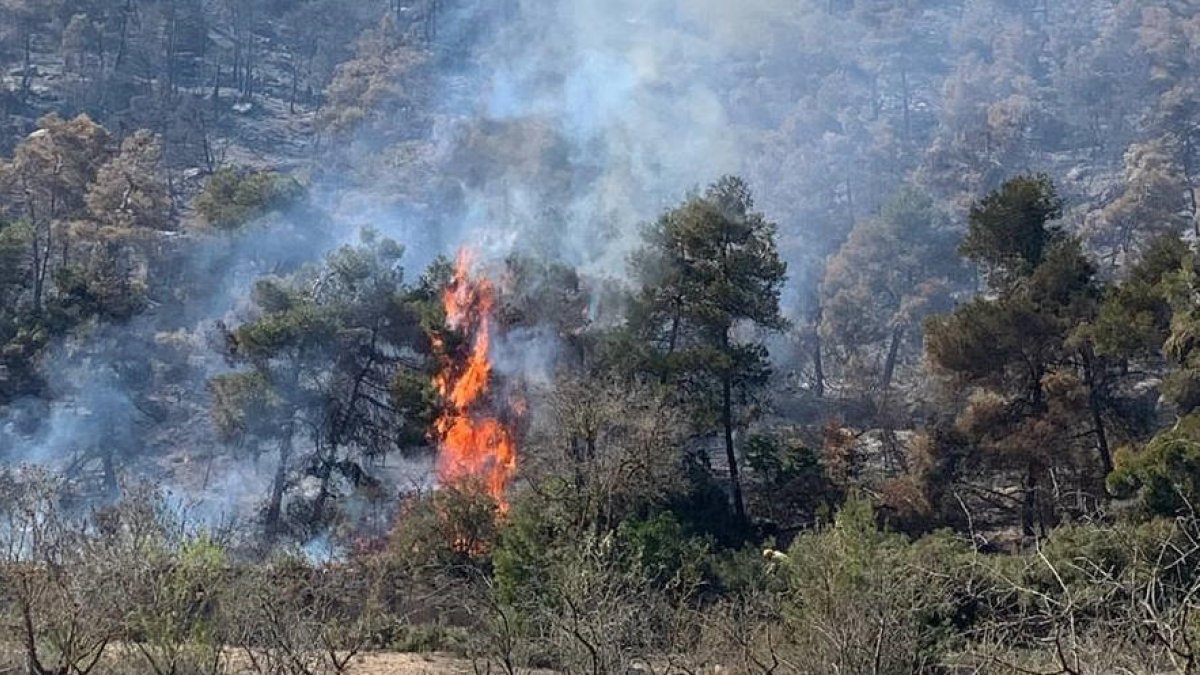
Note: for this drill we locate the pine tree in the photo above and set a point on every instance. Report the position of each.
(708, 273)
(1010, 351)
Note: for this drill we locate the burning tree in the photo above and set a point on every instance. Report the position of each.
(474, 442)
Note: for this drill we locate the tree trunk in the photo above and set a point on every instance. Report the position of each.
(27, 73)
(274, 515)
(170, 48)
(672, 340)
(1029, 501)
(250, 52)
(216, 96)
(111, 488)
(889, 366)
(431, 18)
(32, 663)
(295, 87)
(38, 277)
(237, 62)
(818, 363)
(123, 33)
(735, 484)
(319, 504)
(101, 53)
(1094, 401)
(1195, 210)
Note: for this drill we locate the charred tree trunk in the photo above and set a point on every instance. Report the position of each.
(38, 277)
(672, 342)
(1095, 400)
(123, 35)
(27, 72)
(109, 462)
(39, 253)
(818, 363)
(273, 519)
(1029, 501)
(170, 49)
(295, 87)
(889, 365)
(735, 484)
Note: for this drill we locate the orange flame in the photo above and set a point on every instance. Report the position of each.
(472, 444)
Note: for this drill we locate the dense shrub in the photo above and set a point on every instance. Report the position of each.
(233, 197)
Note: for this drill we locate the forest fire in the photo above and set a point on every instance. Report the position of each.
(473, 443)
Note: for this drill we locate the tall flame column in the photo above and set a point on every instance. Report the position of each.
(472, 442)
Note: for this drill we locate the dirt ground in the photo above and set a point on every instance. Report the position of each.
(382, 663)
(410, 664)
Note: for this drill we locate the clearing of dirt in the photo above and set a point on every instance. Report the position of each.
(383, 663)
(390, 663)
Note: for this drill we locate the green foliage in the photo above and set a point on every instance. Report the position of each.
(985, 339)
(19, 373)
(1135, 316)
(14, 252)
(291, 323)
(526, 548)
(892, 272)
(619, 510)
(1182, 384)
(241, 404)
(325, 354)
(21, 338)
(1009, 230)
(1010, 235)
(708, 267)
(1032, 383)
(543, 293)
(414, 400)
(711, 262)
(233, 198)
(662, 552)
(790, 485)
(101, 286)
(176, 621)
(857, 596)
(537, 545)
(80, 248)
(1165, 474)
(403, 638)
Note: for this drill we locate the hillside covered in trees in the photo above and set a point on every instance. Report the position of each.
(658, 336)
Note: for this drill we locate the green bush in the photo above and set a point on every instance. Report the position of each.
(233, 198)
(423, 638)
(862, 600)
(1165, 475)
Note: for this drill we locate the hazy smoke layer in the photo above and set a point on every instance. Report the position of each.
(620, 97)
(560, 127)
